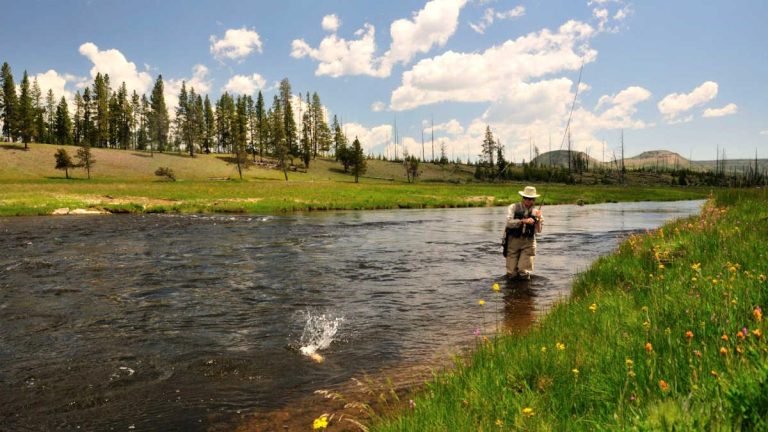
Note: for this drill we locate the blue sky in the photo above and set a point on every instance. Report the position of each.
(686, 76)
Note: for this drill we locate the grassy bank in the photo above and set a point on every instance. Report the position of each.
(666, 334)
(124, 181)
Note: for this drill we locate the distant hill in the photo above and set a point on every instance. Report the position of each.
(654, 159)
(560, 158)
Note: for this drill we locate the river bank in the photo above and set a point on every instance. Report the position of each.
(668, 332)
(44, 197)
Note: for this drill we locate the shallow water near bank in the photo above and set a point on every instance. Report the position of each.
(168, 322)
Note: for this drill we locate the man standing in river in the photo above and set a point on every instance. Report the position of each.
(523, 223)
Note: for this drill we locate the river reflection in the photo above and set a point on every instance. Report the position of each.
(191, 322)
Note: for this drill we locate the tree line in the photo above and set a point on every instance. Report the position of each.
(240, 125)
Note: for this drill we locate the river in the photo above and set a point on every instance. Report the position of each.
(188, 322)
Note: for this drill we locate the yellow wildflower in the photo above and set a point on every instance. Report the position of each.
(320, 422)
(496, 287)
(575, 371)
(758, 334)
(543, 349)
(661, 266)
(560, 346)
(713, 373)
(762, 277)
(499, 423)
(646, 325)
(629, 362)
(528, 411)
(645, 309)
(481, 302)
(696, 266)
(593, 307)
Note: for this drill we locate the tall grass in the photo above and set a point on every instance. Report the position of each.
(665, 334)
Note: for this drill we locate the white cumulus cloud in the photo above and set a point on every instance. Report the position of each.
(56, 82)
(120, 70)
(245, 84)
(172, 87)
(331, 23)
(378, 106)
(729, 109)
(483, 77)
(451, 127)
(337, 56)
(236, 44)
(677, 103)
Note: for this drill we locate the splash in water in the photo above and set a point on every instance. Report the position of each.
(319, 331)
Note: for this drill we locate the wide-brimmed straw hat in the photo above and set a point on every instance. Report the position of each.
(529, 192)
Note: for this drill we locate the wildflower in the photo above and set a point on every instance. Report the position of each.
(661, 266)
(543, 349)
(734, 302)
(499, 423)
(575, 371)
(758, 334)
(668, 331)
(629, 362)
(648, 347)
(713, 373)
(697, 353)
(560, 346)
(481, 302)
(663, 386)
(696, 266)
(593, 307)
(632, 397)
(732, 269)
(758, 314)
(645, 309)
(741, 335)
(694, 279)
(723, 351)
(631, 373)
(689, 334)
(411, 404)
(724, 337)
(528, 411)
(476, 332)
(739, 350)
(646, 325)
(714, 281)
(320, 422)
(744, 331)
(762, 277)
(496, 287)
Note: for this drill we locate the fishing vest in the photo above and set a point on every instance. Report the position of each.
(522, 230)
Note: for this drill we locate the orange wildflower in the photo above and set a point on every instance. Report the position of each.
(648, 347)
(664, 386)
(723, 351)
(758, 334)
(689, 334)
(758, 314)
(724, 337)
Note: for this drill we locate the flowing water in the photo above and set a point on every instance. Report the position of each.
(163, 322)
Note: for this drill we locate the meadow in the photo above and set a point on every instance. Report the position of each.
(668, 333)
(124, 181)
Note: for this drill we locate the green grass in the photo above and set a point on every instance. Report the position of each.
(617, 355)
(124, 181)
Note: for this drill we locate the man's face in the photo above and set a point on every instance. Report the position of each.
(528, 202)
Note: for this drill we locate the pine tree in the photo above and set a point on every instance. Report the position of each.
(100, 99)
(50, 118)
(240, 135)
(122, 112)
(488, 147)
(198, 119)
(88, 130)
(358, 163)
(183, 119)
(135, 119)
(142, 140)
(277, 135)
(85, 159)
(289, 123)
(63, 161)
(62, 130)
(306, 145)
(26, 116)
(209, 130)
(158, 123)
(77, 126)
(10, 104)
(38, 106)
(261, 123)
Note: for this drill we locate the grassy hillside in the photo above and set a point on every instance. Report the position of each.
(124, 181)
